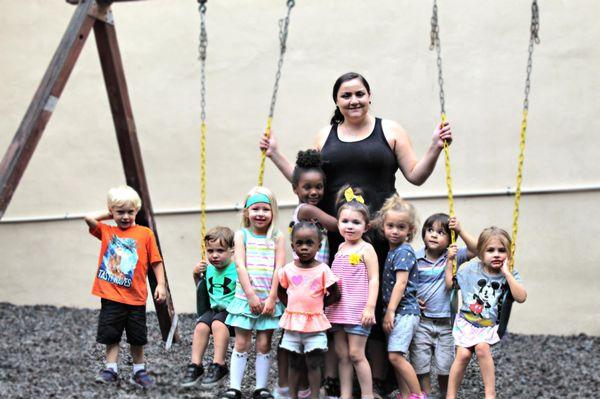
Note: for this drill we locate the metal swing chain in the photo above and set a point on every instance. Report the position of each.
(202, 47)
(283, 35)
(435, 44)
(533, 39)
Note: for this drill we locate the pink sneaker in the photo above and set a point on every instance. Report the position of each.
(304, 393)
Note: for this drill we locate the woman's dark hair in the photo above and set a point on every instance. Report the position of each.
(440, 218)
(337, 117)
(308, 225)
(306, 161)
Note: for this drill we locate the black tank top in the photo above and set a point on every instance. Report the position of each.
(369, 164)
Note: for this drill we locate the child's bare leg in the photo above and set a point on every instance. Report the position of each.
(457, 371)
(137, 353)
(112, 353)
(314, 363)
(243, 339)
(377, 356)
(346, 371)
(443, 384)
(295, 364)
(283, 363)
(486, 364)
(356, 351)
(200, 342)
(406, 371)
(425, 383)
(221, 341)
(331, 360)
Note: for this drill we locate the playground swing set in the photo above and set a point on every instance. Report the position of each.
(97, 15)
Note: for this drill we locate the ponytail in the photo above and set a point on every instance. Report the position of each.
(337, 117)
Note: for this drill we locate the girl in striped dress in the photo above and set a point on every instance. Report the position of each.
(259, 251)
(356, 266)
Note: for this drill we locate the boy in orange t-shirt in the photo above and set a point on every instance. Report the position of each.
(125, 254)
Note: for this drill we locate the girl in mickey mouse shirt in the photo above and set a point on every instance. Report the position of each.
(482, 284)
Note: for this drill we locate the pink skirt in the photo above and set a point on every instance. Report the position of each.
(467, 335)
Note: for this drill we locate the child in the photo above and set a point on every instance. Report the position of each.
(397, 220)
(305, 282)
(259, 251)
(308, 183)
(221, 277)
(355, 264)
(125, 254)
(433, 338)
(482, 284)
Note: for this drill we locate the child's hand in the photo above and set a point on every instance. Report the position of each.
(454, 225)
(160, 293)
(255, 305)
(442, 133)
(421, 304)
(368, 317)
(268, 144)
(388, 322)
(200, 267)
(452, 250)
(505, 269)
(268, 307)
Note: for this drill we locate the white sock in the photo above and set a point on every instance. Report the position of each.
(263, 363)
(138, 367)
(236, 369)
(113, 367)
(284, 391)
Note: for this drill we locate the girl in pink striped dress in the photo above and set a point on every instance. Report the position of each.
(356, 266)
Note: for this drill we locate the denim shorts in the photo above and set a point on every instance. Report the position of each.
(354, 329)
(433, 341)
(300, 342)
(405, 326)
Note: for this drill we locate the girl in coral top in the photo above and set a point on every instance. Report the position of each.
(305, 285)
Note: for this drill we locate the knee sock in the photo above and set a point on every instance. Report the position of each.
(263, 363)
(237, 368)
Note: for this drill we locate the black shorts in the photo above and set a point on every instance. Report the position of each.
(212, 315)
(116, 317)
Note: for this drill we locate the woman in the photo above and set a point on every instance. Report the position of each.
(364, 151)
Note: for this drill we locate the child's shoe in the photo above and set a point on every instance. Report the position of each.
(216, 372)
(231, 393)
(193, 372)
(281, 392)
(142, 379)
(304, 393)
(262, 393)
(107, 376)
(332, 388)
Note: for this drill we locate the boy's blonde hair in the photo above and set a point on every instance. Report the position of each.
(272, 231)
(396, 203)
(123, 195)
(220, 234)
(490, 233)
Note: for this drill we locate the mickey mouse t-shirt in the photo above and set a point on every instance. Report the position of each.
(480, 293)
(221, 285)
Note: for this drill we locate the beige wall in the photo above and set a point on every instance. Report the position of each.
(484, 48)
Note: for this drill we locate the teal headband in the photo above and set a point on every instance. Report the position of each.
(257, 198)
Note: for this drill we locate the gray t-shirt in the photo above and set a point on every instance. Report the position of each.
(432, 284)
(401, 258)
(480, 293)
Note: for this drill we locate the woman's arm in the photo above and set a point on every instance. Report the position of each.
(311, 212)
(395, 298)
(516, 289)
(370, 258)
(270, 146)
(416, 170)
(243, 278)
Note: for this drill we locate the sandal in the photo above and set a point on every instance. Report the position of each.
(262, 393)
(231, 393)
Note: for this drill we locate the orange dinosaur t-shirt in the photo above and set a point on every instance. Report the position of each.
(123, 265)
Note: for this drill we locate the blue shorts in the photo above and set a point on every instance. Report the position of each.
(300, 342)
(354, 329)
(405, 326)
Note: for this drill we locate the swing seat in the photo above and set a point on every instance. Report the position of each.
(504, 312)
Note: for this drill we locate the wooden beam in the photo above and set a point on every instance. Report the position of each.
(131, 157)
(42, 105)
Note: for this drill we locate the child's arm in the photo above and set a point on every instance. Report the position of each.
(452, 249)
(282, 294)
(469, 240)
(269, 305)
(93, 219)
(516, 289)
(199, 269)
(333, 294)
(243, 278)
(311, 212)
(160, 293)
(370, 258)
(395, 298)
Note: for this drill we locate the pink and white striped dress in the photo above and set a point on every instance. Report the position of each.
(354, 287)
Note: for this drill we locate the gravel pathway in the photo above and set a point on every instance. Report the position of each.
(51, 352)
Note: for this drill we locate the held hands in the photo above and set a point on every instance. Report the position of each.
(388, 321)
(200, 268)
(454, 225)
(452, 250)
(268, 307)
(368, 316)
(256, 305)
(268, 144)
(442, 133)
(160, 293)
(422, 306)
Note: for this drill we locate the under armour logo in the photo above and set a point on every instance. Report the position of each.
(223, 286)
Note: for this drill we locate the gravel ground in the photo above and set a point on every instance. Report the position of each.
(51, 352)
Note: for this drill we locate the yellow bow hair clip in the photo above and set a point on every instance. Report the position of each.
(349, 196)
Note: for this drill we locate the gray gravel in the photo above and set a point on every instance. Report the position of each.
(47, 351)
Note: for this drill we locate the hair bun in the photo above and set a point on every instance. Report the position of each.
(309, 159)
